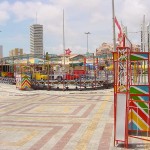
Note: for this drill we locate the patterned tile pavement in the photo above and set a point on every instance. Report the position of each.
(45, 120)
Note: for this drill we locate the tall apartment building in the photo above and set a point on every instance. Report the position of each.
(36, 39)
(16, 52)
(1, 51)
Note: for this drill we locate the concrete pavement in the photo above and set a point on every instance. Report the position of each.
(49, 120)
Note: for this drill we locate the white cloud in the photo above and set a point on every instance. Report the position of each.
(81, 16)
(4, 12)
(132, 12)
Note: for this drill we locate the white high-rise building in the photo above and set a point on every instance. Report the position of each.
(1, 51)
(36, 39)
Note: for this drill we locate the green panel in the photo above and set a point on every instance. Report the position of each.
(135, 91)
(138, 56)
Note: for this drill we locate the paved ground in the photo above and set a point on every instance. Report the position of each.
(49, 120)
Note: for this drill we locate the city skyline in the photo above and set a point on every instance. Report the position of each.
(80, 17)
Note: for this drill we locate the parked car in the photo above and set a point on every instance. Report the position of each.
(76, 74)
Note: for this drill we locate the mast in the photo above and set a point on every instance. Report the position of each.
(144, 42)
(113, 18)
(63, 39)
(36, 18)
(148, 37)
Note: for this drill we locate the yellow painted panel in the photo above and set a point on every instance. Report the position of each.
(138, 121)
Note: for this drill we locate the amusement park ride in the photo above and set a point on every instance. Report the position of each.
(129, 73)
(131, 93)
(46, 75)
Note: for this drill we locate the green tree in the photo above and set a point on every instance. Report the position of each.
(47, 56)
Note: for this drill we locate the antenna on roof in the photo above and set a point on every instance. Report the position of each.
(36, 18)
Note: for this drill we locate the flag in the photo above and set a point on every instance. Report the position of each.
(120, 30)
(67, 51)
(118, 25)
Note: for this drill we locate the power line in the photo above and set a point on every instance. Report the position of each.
(135, 32)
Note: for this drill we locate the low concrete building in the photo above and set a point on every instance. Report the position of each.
(16, 52)
(105, 48)
(72, 58)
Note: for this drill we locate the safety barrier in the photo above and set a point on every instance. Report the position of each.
(83, 82)
(23, 82)
(7, 80)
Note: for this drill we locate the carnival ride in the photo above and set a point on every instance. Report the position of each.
(38, 73)
(131, 93)
(7, 72)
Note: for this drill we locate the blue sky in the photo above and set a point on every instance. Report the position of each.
(93, 16)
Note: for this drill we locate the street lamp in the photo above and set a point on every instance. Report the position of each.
(87, 33)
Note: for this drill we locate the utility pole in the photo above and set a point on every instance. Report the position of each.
(87, 33)
(113, 19)
(63, 38)
(147, 34)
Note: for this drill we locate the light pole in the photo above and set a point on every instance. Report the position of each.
(148, 37)
(87, 33)
(113, 18)
(64, 38)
